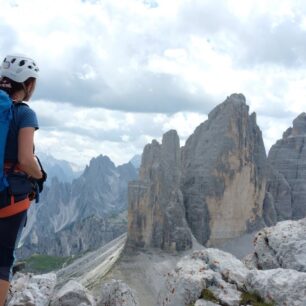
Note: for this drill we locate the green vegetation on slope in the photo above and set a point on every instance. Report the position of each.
(208, 296)
(44, 263)
(248, 298)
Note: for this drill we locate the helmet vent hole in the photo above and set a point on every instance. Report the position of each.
(30, 67)
(22, 62)
(13, 60)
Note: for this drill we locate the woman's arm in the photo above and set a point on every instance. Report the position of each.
(26, 159)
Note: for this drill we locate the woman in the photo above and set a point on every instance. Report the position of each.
(18, 79)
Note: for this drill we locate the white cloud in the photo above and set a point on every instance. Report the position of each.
(79, 133)
(115, 74)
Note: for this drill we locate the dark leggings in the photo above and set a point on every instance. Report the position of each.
(10, 232)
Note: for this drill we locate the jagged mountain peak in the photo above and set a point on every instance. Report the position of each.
(103, 160)
(101, 163)
(231, 105)
(298, 127)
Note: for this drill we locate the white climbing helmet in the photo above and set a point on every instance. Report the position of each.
(19, 68)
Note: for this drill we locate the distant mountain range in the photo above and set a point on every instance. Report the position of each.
(60, 169)
(78, 214)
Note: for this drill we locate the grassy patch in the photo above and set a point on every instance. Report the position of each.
(248, 298)
(208, 296)
(44, 263)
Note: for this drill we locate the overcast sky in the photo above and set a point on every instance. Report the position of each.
(114, 74)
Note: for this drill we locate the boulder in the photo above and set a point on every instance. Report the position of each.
(282, 286)
(280, 246)
(31, 290)
(117, 293)
(72, 294)
(209, 273)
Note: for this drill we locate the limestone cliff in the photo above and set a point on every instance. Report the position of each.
(286, 186)
(223, 173)
(215, 184)
(156, 216)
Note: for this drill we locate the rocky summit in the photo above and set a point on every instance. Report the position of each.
(286, 185)
(213, 187)
(223, 173)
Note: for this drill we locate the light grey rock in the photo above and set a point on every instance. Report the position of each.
(117, 293)
(227, 293)
(202, 302)
(223, 174)
(281, 246)
(218, 271)
(31, 290)
(72, 294)
(156, 209)
(283, 286)
(250, 261)
(286, 187)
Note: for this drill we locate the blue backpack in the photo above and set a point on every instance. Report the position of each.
(5, 119)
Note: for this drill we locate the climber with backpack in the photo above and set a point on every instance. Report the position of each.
(21, 174)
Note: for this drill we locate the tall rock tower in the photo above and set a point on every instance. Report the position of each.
(223, 173)
(213, 188)
(286, 186)
(156, 216)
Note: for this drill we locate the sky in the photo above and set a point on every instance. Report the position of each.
(116, 74)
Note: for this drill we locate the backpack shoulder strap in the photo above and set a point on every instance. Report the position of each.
(5, 119)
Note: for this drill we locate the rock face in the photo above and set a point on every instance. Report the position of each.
(223, 176)
(286, 187)
(280, 246)
(216, 183)
(73, 218)
(156, 209)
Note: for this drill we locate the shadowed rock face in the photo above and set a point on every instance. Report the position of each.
(156, 209)
(286, 187)
(215, 184)
(223, 179)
